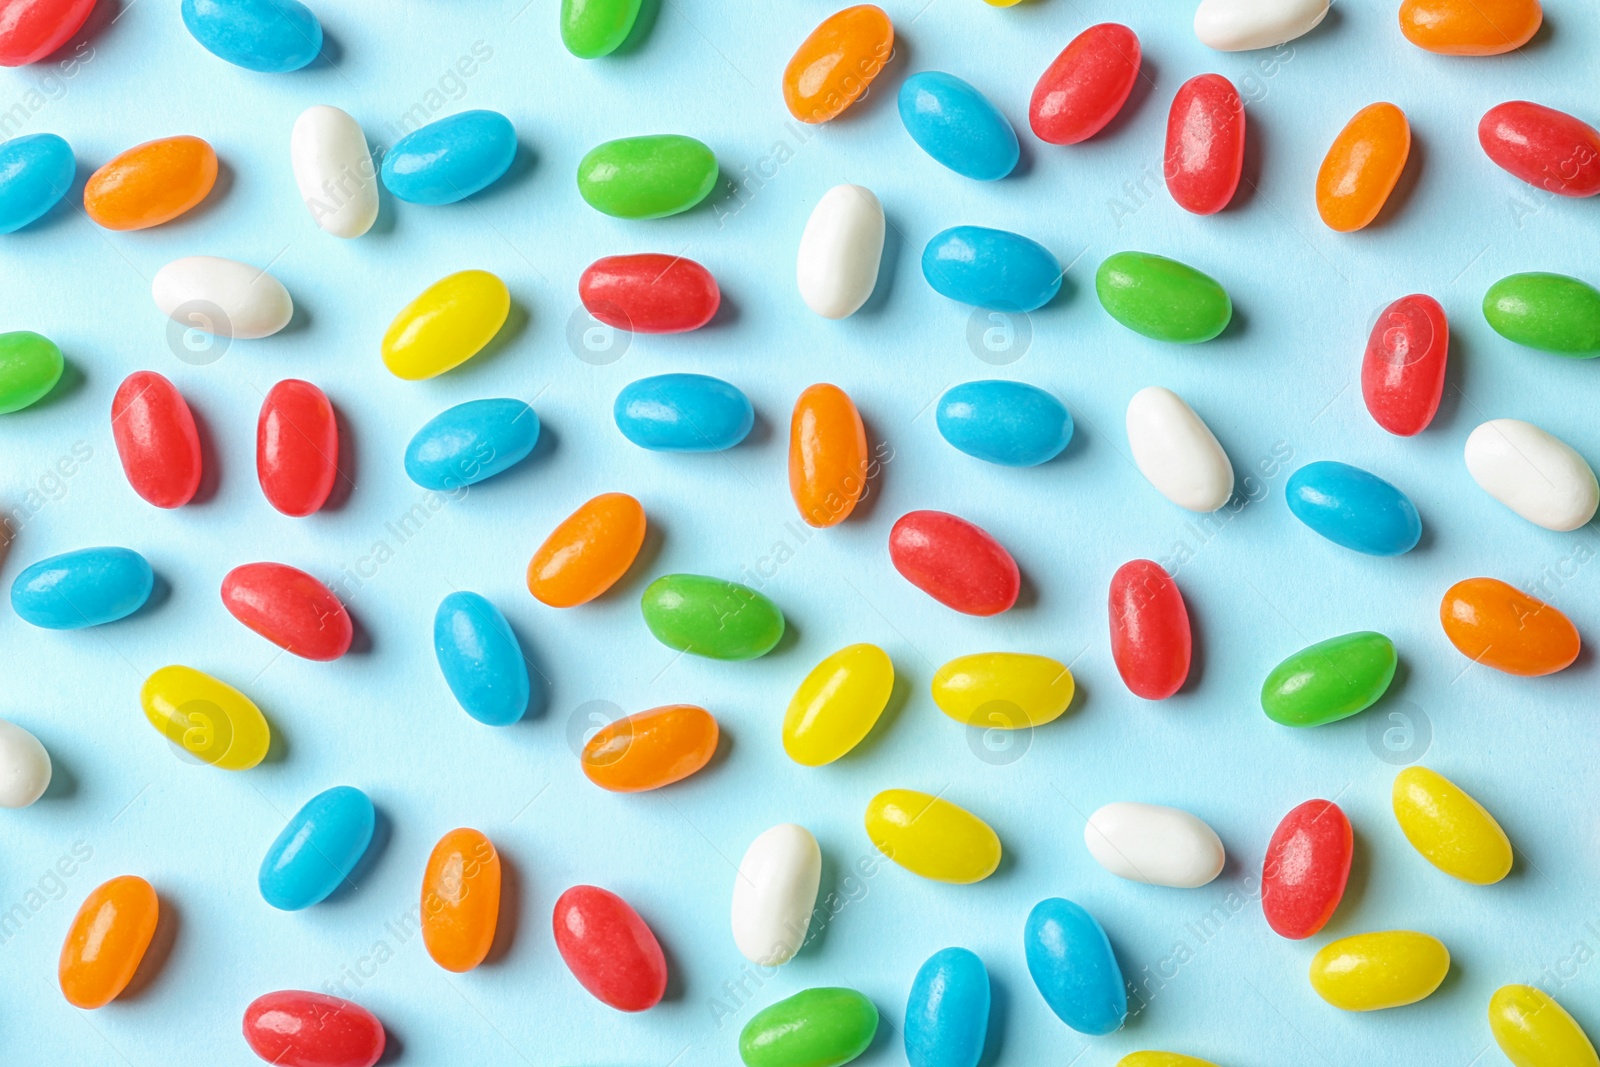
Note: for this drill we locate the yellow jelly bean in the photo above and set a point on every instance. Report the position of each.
(837, 704)
(1003, 690)
(447, 325)
(1451, 830)
(1534, 1031)
(207, 718)
(932, 837)
(1381, 970)
(1162, 1059)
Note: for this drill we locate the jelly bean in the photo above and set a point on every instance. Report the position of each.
(449, 323)
(1362, 166)
(828, 463)
(107, 941)
(334, 172)
(32, 29)
(955, 562)
(205, 717)
(1306, 868)
(30, 366)
(1177, 452)
(1502, 627)
(1402, 373)
(710, 617)
(1535, 474)
(87, 587)
(993, 269)
(318, 849)
(1354, 508)
(586, 555)
(1244, 25)
(1449, 828)
(1546, 148)
(774, 894)
(837, 704)
(683, 413)
(465, 444)
(650, 292)
(291, 1028)
(647, 177)
(1003, 690)
(460, 899)
(297, 447)
(1155, 845)
(947, 1013)
(1162, 298)
(1370, 972)
(836, 63)
(449, 160)
(819, 1027)
(841, 249)
(481, 659)
(650, 749)
(151, 183)
(1550, 312)
(1085, 86)
(222, 297)
(609, 949)
(289, 608)
(594, 28)
(1150, 639)
(1330, 680)
(931, 837)
(156, 439)
(35, 173)
(1470, 27)
(1010, 423)
(268, 36)
(958, 126)
(1162, 1059)
(1534, 1030)
(1205, 144)
(1070, 959)
(24, 767)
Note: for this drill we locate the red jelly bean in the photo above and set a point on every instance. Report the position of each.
(297, 447)
(32, 29)
(292, 1028)
(1087, 84)
(1543, 146)
(955, 562)
(1306, 867)
(156, 439)
(289, 608)
(1402, 374)
(1205, 144)
(609, 949)
(1150, 639)
(649, 293)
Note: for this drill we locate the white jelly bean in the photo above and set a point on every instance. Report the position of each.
(333, 168)
(1177, 451)
(222, 297)
(1535, 474)
(1154, 844)
(840, 250)
(24, 767)
(1240, 25)
(775, 893)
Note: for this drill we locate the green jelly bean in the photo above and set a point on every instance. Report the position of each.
(710, 617)
(1550, 312)
(647, 177)
(30, 366)
(594, 28)
(820, 1027)
(1162, 298)
(1330, 680)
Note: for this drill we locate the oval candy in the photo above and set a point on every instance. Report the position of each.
(1161, 298)
(32, 29)
(30, 366)
(470, 442)
(1010, 423)
(1070, 959)
(955, 562)
(837, 704)
(1244, 25)
(1449, 828)
(993, 269)
(222, 297)
(841, 249)
(683, 413)
(291, 1028)
(711, 617)
(1354, 508)
(1550, 312)
(947, 1012)
(318, 849)
(1470, 27)
(1502, 627)
(1003, 690)
(24, 767)
(1402, 372)
(36, 170)
(1155, 845)
(1362, 166)
(1205, 144)
(1084, 87)
(446, 325)
(650, 292)
(821, 1027)
(837, 62)
(1370, 972)
(1162, 1059)
(1534, 1030)
(774, 894)
(1151, 643)
(267, 36)
(107, 941)
(86, 587)
(1306, 868)
(1546, 148)
(594, 28)
(151, 183)
(647, 177)
(828, 462)
(958, 126)
(1330, 680)
(297, 447)
(1177, 452)
(156, 439)
(450, 159)
(588, 552)
(206, 718)
(334, 172)
(650, 749)
(481, 659)
(289, 608)
(460, 900)
(1535, 474)
(931, 837)
(609, 949)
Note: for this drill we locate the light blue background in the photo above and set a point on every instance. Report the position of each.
(1283, 381)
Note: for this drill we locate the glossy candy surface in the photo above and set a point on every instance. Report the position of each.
(1550, 312)
(957, 125)
(291, 1028)
(1354, 508)
(297, 447)
(1162, 1059)
(1370, 972)
(594, 28)
(711, 617)
(820, 1027)
(650, 292)
(1205, 144)
(449, 323)
(775, 893)
(289, 608)
(24, 767)
(460, 899)
(1449, 828)
(449, 160)
(1546, 148)
(841, 249)
(588, 552)
(1402, 372)
(1010, 423)
(32, 29)
(1154, 844)
(1306, 868)
(1151, 643)
(683, 413)
(837, 704)
(947, 1013)
(465, 444)
(650, 749)
(334, 172)
(955, 562)
(1162, 298)
(1330, 680)
(151, 183)
(1535, 474)
(86, 587)
(318, 849)
(222, 297)
(994, 269)
(931, 837)
(1500, 626)
(1534, 1030)
(1085, 86)
(1003, 690)
(609, 949)
(206, 718)
(1362, 166)
(156, 439)
(481, 659)
(828, 460)
(1243, 25)
(30, 366)
(647, 177)
(268, 36)
(1470, 27)
(1177, 452)
(1070, 959)
(36, 170)
(836, 63)
(106, 941)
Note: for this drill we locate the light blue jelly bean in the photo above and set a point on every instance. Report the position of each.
(683, 413)
(465, 444)
(993, 269)
(1353, 508)
(1071, 962)
(88, 587)
(451, 159)
(270, 36)
(1010, 423)
(318, 849)
(481, 659)
(947, 1014)
(956, 125)
(35, 173)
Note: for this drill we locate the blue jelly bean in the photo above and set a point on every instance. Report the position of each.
(1071, 961)
(947, 1014)
(993, 269)
(88, 587)
(465, 444)
(481, 659)
(1354, 508)
(318, 849)
(270, 36)
(35, 173)
(451, 159)
(956, 125)
(1010, 423)
(683, 413)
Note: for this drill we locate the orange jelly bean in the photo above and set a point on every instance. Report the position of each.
(827, 455)
(588, 552)
(461, 899)
(1470, 27)
(1360, 170)
(833, 67)
(651, 749)
(1500, 626)
(151, 183)
(107, 940)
